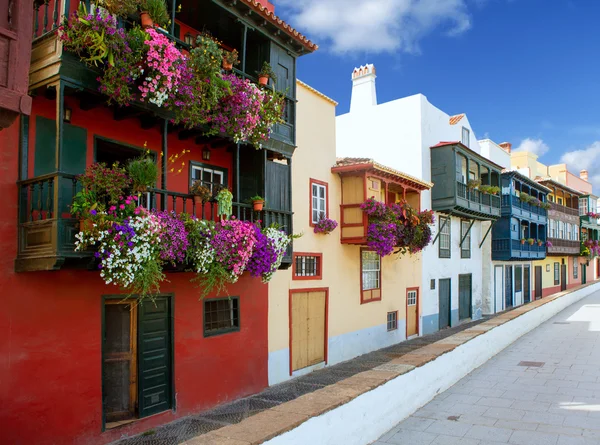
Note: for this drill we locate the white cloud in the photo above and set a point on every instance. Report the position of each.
(586, 159)
(376, 25)
(537, 146)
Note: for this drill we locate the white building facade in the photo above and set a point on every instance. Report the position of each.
(401, 134)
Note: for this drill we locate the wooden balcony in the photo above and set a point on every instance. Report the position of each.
(452, 164)
(513, 206)
(47, 230)
(513, 249)
(563, 247)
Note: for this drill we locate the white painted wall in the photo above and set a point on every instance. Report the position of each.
(372, 414)
(399, 134)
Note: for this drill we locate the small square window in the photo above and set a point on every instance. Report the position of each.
(411, 298)
(392, 321)
(221, 316)
(432, 285)
(307, 266)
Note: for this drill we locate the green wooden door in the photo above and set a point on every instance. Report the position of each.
(155, 356)
(464, 296)
(444, 302)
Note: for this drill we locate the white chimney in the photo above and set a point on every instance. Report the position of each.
(583, 174)
(364, 94)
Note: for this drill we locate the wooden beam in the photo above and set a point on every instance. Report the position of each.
(486, 234)
(466, 234)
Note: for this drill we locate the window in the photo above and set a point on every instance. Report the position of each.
(559, 201)
(211, 177)
(465, 136)
(370, 264)
(307, 266)
(465, 232)
(392, 321)
(444, 246)
(583, 206)
(575, 268)
(569, 231)
(411, 298)
(556, 274)
(318, 201)
(561, 229)
(221, 315)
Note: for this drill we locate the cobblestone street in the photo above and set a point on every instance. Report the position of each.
(544, 389)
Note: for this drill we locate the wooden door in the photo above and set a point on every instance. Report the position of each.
(444, 303)
(412, 312)
(538, 282)
(526, 284)
(155, 357)
(563, 277)
(583, 273)
(464, 296)
(308, 328)
(119, 361)
(508, 287)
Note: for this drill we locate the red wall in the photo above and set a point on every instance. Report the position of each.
(50, 357)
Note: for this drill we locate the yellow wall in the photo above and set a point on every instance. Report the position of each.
(313, 158)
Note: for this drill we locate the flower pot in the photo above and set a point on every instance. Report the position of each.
(198, 200)
(146, 20)
(85, 224)
(263, 80)
(522, 241)
(227, 66)
(540, 244)
(258, 205)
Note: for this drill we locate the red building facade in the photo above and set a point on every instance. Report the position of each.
(73, 346)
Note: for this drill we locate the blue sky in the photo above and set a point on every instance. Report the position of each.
(524, 71)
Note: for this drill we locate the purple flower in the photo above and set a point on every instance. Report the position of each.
(93, 212)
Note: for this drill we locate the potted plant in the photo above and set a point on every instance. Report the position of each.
(224, 203)
(524, 197)
(473, 184)
(153, 12)
(230, 58)
(548, 244)
(201, 193)
(266, 73)
(122, 8)
(523, 240)
(494, 190)
(143, 173)
(84, 208)
(257, 203)
(545, 205)
(530, 241)
(540, 242)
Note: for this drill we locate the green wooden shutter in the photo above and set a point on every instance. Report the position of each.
(45, 146)
(155, 373)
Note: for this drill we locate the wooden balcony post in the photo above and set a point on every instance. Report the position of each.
(60, 108)
(163, 160)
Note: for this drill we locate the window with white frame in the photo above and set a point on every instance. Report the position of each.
(211, 177)
(371, 270)
(583, 206)
(569, 231)
(411, 298)
(318, 202)
(465, 136)
(444, 246)
(575, 268)
(561, 230)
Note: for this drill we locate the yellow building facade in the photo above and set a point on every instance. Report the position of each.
(320, 310)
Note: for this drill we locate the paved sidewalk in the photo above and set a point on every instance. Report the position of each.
(544, 389)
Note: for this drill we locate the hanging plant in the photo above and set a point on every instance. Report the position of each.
(325, 226)
(224, 203)
(398, 227)
(473, 184)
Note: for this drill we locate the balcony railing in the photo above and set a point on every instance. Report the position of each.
(512, 204)
(46, 17)
(506, 249)
(563, 247)
(476, 197)
(586, 219)
(561, 208)
(47, 229)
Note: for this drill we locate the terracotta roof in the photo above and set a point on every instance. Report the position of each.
(456, 118)
(317, 92)
(368, 163)
(271, 17)
(559, 185)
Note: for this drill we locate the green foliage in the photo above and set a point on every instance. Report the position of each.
(121, 8)
(524, 197)
(489, 189)
(143, 172)
(473, 184)
(231, 57)
(202, 86)
(83, 202)
(215, 280)
(257, 198)
(267, 70)
(530, 241)
(148, 279)
(157, 10)
(224, 203)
